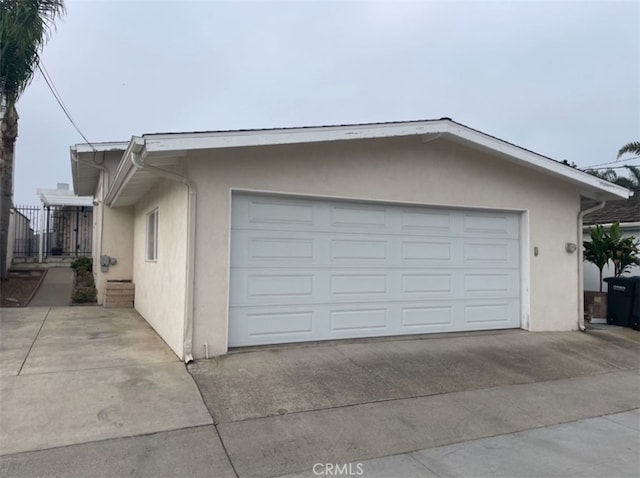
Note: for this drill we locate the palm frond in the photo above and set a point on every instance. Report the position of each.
(25, 26)
(607, 174)
(635, 175)
(625, 182)
(632, 147)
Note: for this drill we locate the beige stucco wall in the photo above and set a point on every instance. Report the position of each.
(160, 285)
(112, 235)
(392, 170)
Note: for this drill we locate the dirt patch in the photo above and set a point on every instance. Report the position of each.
(20, 287)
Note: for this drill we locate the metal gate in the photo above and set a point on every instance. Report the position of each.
(62, 230)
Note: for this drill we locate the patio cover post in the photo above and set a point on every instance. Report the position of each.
(41, 245)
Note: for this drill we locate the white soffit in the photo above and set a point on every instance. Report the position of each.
(85, 164)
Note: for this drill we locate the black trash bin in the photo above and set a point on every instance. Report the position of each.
(635, 308)
(622, 301)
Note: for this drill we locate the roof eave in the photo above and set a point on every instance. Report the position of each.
(178, 143)
(124, 172)
(80, 153)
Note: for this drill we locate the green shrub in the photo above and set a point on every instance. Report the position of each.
(82, 265)
(84, 295)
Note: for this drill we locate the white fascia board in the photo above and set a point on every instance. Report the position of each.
(235, 139)
(164, 143)
(99, 147)
(125, 170)
(625, 225)
(537, 161)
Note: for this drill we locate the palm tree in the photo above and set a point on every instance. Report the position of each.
(630, 182)
(598, 250)
(25, 26)
(632, 147)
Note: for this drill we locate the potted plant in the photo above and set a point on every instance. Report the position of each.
(608, 246)
(598, 252)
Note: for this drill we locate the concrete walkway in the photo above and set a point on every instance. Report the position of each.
(73, 375)
(56, 288)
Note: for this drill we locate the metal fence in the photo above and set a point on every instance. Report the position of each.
(65, 231)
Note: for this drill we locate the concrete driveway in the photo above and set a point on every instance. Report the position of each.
(287, 409)
(87, 391)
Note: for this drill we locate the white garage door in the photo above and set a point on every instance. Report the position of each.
(305, 269)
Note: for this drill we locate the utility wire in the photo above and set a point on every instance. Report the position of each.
(56, 95)
(614, 167)
(618, 161)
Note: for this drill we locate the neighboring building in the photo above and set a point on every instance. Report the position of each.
(627, 213)
(239, 238)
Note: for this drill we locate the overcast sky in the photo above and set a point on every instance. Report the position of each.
(560, 78)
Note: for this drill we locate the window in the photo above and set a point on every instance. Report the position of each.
(152, 235)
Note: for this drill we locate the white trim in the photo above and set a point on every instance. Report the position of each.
(100, 147)
(369, 200)
(228, 305)
(153, 212)
(525, 271)
(632, 225)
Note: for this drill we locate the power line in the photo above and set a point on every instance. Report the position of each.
(614, 167)
(612, 162)
(56, 95)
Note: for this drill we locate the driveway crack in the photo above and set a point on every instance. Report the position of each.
(34, 341)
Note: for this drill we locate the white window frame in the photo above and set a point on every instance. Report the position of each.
(151, 250)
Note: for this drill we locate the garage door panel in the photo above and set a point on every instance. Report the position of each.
(425, 221)
(488, 314)
(352, 285)
(490, 224)
(277, 326)
(426, 251)
(280, 249)
(425, 317)
(495, 252)
(358, 320)
(358, 250)
(305, 269)
(297, 286)
(271, 211)
(490, 282)
(358, 217)
(425, 283)
(254, 326)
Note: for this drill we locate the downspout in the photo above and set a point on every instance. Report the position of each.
(581, 215)
(191, 247)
